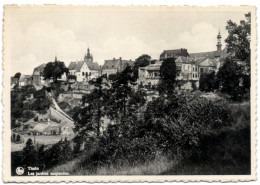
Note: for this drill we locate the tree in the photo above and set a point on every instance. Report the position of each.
(238, 40)
(29, 154)
(233, 77)
(120, 91)
(207, 82)
(17, 75)
(229, 79)
(168, 76)
(141, 61)
(54, 70)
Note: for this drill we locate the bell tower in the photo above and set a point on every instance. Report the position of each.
(219, 42)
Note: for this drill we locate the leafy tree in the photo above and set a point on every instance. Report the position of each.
(229, 79)
(54, 70)
(28, 114)
(141, 61)
(233, 77)
(17, 75)
(29, 154)
(120, 91)
(207, 82)
(168, 76)
(238, 40)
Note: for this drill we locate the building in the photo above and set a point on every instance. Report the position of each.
(218, 54)
(84, 70)
(208, 65)
(175, 53)
(38, 79)
(115, 66)
(186, 69)
(189, 67)
(25, 80)
(37, 76)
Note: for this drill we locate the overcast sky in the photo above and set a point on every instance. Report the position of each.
(37, 34)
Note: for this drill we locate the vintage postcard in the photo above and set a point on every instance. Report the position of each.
(129, 94)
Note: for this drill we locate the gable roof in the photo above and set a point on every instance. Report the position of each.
(93, 66)
(78, 65)
(111, 64)
(72, 65)
(208, 62)
(210, 54)
(39, 70)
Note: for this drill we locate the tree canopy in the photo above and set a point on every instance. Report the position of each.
(54, 70)
(238, 40)
(141, 61)
(17, 75)
(168, 75)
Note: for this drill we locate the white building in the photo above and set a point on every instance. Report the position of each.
(84, 70)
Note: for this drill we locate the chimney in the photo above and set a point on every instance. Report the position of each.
(120, 58)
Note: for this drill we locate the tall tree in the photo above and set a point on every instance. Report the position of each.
(238, 40)
(233, 77)
(54, 70)
(229, 79)
(120, 92)
(207, 82)
(168, 76)
(141, 61)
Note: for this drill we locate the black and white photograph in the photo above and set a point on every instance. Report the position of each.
(129, 91)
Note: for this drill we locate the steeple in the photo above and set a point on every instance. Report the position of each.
(219, 41)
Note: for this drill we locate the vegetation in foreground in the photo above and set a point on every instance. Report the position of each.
(176, 133)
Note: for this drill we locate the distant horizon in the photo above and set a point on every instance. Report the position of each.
(67, 33)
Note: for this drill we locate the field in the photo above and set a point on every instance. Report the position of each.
(40, 140)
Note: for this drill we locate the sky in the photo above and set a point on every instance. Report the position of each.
(36, 34)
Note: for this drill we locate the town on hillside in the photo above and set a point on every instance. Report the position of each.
(179, 113)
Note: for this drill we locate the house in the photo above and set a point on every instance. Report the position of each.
(46, 128)
(174, 53)
(115, 66)
(186, 69)
(37, 76)
(84, 70)
(25, 80)
(208, 65)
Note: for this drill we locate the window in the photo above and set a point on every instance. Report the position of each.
(193, 75)
(201, 70)
(82, 73)
(89, 73)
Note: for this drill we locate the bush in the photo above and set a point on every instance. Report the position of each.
(27, 114)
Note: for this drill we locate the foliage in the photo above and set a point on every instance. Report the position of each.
(230, 79)
(17, 75)
(28, 114)
(168, 76)
(54, 70)
(29, 154)
(141, 61)
(63, 105)
(238, 40)
(207, 82)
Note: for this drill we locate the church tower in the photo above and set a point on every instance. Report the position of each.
(219, 42)
(88, 57)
